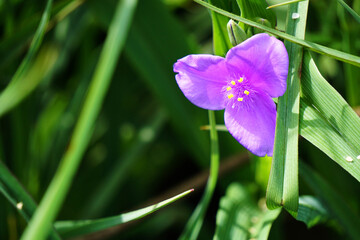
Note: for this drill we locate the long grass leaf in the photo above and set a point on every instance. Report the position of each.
(71, 229)
(327, 121)
(283, 189)
(40, 223)
(352, 59)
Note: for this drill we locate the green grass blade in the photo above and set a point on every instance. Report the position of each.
(332, 200)
(21, 83)
(283, 187)
(327, 121)
(221, 41)
(350, 10)
(16, 194)
(194, 224)
(239, 216)
(39, 225)
(352, 59)
(283, 3)
(71, 229)
(256, 9)
(312, 211)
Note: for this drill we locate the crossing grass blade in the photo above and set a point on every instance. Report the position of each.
(342, 56)
(15, 193)
(71, 229)
(40, 223)
(283, 187)
(21, 83)
(350, 10)
(327, 121)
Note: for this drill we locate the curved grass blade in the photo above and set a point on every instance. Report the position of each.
(14, 93)
(239, 216)
(283, 187)
(342, 56)
(70, 229)
(327, 121)
(40, 223)
(17, 196)
(333, 202)
(194, 224)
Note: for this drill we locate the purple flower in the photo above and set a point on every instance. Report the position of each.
(243, 83)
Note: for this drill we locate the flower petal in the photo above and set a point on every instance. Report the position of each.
(253, 123)
(264, 61)
(202, 78)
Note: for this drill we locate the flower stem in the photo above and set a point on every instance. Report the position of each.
(194, 224)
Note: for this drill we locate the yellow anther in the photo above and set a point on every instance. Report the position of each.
(240, 99)
(228, 88)
(233, 82)
(246, 92)
(241, 79)
(230, 96)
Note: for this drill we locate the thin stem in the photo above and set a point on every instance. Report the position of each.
(194, 224)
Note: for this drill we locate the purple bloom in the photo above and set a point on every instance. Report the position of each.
(243, 83)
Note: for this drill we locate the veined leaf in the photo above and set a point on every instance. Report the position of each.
(327, 121)
(239, 216)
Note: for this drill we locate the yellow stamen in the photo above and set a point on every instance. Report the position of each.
(228, 88)
(233, 82)
(240, 80)
(240, 99)
(230, 96)
(246, 92)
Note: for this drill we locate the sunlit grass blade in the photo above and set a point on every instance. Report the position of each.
(283, 3)
(334, 203)
(40, 223)
(71, 229)
(342, 56)
(312, 211)
(283, 187)
(17, 196)
(21, 83)
(327, 121)
(239, 216)
(350, 10)
(195, 222)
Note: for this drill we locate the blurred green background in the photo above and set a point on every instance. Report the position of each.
(147, 144)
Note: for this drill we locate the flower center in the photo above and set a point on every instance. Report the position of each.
(237, 91)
